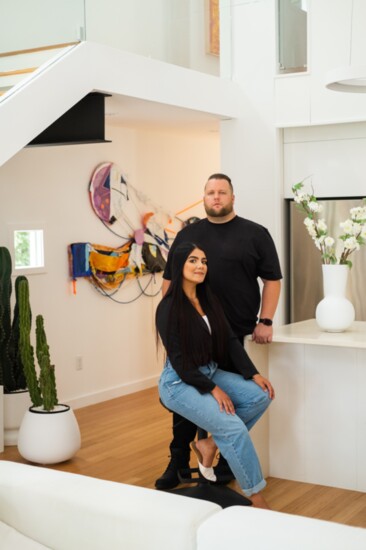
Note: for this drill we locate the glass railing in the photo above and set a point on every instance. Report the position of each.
(181, 32)
(28, 25)
(31, 33)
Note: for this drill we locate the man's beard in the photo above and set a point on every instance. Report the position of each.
(224, 211)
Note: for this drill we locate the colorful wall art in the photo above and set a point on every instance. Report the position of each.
(132, 216)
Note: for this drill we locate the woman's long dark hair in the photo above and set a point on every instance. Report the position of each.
(198, 347)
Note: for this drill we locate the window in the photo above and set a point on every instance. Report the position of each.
(27, 248)
(292, 39)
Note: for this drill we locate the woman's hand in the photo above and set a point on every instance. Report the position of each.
(264, 384)
(223, 400)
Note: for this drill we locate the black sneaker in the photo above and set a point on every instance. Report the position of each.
(223, 471)
(179, 460)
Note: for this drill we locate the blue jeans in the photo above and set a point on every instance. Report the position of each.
(230, 432)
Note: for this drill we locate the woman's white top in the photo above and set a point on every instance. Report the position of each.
(205, 318)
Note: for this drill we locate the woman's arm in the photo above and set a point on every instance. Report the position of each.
(239, 357)
(167, 332)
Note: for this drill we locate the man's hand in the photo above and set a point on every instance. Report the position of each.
(262, 334)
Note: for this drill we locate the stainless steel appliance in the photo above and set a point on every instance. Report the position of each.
(305, 282)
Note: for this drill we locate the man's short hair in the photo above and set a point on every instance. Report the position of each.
(222, 177)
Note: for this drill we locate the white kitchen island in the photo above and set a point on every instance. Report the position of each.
(317, 423)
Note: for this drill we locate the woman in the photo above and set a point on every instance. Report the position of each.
(197, 338)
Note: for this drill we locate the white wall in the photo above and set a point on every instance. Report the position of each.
(251, 145)
(333, 155)
(50, 185)
(168, 30)
(303, 99)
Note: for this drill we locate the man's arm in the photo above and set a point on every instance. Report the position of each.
(262, 334)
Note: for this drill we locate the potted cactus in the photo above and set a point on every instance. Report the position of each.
(12, 378)
(49, 432)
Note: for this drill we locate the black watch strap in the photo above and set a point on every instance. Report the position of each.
(267, 322)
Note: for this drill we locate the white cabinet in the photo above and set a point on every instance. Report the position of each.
(317, 423)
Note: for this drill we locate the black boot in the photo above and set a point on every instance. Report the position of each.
(223, 471)
(179, 460)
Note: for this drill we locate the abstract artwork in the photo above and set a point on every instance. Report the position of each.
(141, 224)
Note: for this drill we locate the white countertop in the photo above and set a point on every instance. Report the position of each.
(308, 332)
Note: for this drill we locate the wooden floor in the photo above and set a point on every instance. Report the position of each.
(126, 440)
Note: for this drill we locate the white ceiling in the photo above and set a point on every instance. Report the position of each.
(138, 113)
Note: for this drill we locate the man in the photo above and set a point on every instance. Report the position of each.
(238, 252)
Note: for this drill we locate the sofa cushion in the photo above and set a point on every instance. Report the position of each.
(70, 511)
(11, 539)
(247, 527)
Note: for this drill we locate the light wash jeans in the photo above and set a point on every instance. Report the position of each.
(230, 432)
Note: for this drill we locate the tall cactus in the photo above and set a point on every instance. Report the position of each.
(26, 348)
(17, 361)
(42, 389)
(11, 367)
(47, 380)
(14, 351)
(5, 315)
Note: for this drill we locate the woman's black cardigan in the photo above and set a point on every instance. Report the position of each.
(191, 374)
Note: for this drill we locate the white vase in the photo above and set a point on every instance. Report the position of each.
(335, 313)
(49, 437)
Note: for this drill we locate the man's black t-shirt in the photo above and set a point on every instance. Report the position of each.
(238, 252)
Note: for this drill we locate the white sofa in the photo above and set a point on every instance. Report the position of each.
(43, 508)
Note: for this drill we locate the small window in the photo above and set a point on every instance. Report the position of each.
(27, 248)
(292, 40)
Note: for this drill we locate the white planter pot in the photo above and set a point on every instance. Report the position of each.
(15, 405)
(49, 437)
(335, 313)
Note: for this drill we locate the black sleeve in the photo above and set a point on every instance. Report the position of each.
(239, 357)
(268, 264)
(190, 374)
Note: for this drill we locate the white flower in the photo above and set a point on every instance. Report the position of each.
(321, 225)
(329, 241)
(302, 197)
(315, 207)
(353, 229)
(358, 213)
(347, 227)
(350, 227)
(310, 226)
(319, 241)
(351, 243)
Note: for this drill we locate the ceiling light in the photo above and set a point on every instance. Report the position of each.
(347, 79)
(351, 78)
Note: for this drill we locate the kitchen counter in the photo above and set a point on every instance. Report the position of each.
(308, 332)
(317, 423)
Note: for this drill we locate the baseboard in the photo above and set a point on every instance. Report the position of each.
(111, 393)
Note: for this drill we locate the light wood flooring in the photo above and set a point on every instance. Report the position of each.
(126, 440)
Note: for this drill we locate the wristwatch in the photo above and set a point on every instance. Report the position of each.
(267, 322)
